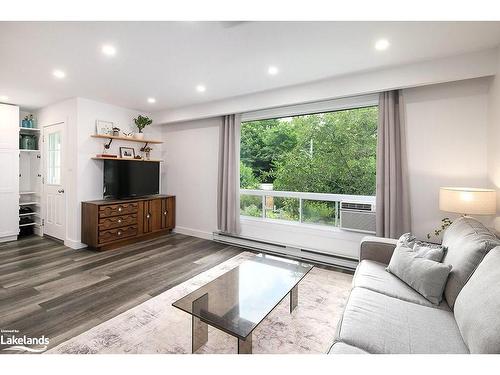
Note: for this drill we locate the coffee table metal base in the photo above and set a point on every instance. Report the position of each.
(200, 328)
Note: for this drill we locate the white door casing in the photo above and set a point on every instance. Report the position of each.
(54, 201)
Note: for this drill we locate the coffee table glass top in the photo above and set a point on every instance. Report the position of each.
(237, 301)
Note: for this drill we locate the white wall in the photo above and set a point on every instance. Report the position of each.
(83, 177)
(446, 143)
(191, 152)
(471, 65)
(494, 138)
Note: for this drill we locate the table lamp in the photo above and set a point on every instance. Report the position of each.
(468, 201)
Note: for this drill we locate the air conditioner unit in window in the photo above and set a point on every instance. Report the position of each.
(357, 216)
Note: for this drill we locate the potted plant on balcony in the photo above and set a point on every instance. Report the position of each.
(141, 122)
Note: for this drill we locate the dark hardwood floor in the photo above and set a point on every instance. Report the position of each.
(49, 289)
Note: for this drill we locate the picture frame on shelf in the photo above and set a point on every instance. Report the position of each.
(127, 152)
(104, 127)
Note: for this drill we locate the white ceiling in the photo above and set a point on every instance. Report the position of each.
(166, 60)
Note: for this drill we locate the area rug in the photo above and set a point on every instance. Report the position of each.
(155, 326)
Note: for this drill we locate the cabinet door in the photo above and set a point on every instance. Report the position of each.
(164, 211)
(9, 127)
(146, 217)
(153, 215)
(9, 193)
(169, 213)
(156, 214)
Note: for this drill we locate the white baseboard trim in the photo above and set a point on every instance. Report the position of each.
(8, 238)
(194, 232)
(74, 244)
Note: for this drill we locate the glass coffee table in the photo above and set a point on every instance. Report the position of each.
(237, 301)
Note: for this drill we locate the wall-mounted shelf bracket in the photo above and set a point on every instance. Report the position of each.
(107, 145)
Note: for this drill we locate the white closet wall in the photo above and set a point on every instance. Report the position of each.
(9, 172)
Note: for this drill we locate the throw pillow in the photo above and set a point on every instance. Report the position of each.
(407, 240)
(429, 251)
(425, 276)
(423, 249)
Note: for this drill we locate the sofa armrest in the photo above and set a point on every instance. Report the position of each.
(378, 249)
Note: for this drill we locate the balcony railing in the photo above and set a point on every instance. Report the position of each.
(299, 207)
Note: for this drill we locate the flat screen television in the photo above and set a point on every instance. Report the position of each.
(130, 178)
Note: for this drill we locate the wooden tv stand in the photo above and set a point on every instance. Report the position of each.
(108, 224)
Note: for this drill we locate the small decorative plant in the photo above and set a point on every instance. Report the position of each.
(141, 122)
(445, 223)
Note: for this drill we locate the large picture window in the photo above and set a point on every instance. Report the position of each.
(321, 155)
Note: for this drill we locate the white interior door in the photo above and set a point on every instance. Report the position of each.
(53, 192)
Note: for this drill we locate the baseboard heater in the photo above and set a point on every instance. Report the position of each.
(288, 251)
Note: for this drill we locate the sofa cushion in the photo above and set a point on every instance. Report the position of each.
(426, 276)
(340, 347)
(378, 323)
(467, 242)
(372, 275)
(477, 308)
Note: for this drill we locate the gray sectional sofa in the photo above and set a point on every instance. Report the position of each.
(385, 315)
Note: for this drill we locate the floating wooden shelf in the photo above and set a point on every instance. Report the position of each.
(110, 137)
(129, 159)
(29, 129)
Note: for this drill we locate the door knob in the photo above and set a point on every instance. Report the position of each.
(164, 213)
(148, 216)
(60, 191)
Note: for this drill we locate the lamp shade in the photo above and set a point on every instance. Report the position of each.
(468, 200)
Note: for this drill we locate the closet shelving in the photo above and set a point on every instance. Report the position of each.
(30, 184)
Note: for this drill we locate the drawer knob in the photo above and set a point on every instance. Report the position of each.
(119, 220)
(119, 233)
(119, 209)
(148, 216)
(165, 212)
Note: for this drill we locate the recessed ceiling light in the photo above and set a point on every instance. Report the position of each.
(382, 44)
(272, 70)
(108, 50)
(201, 88)
(58, 74)
(151, 100)
(4, 98)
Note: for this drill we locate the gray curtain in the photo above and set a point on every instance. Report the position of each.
(393, 203)
(228, 187)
